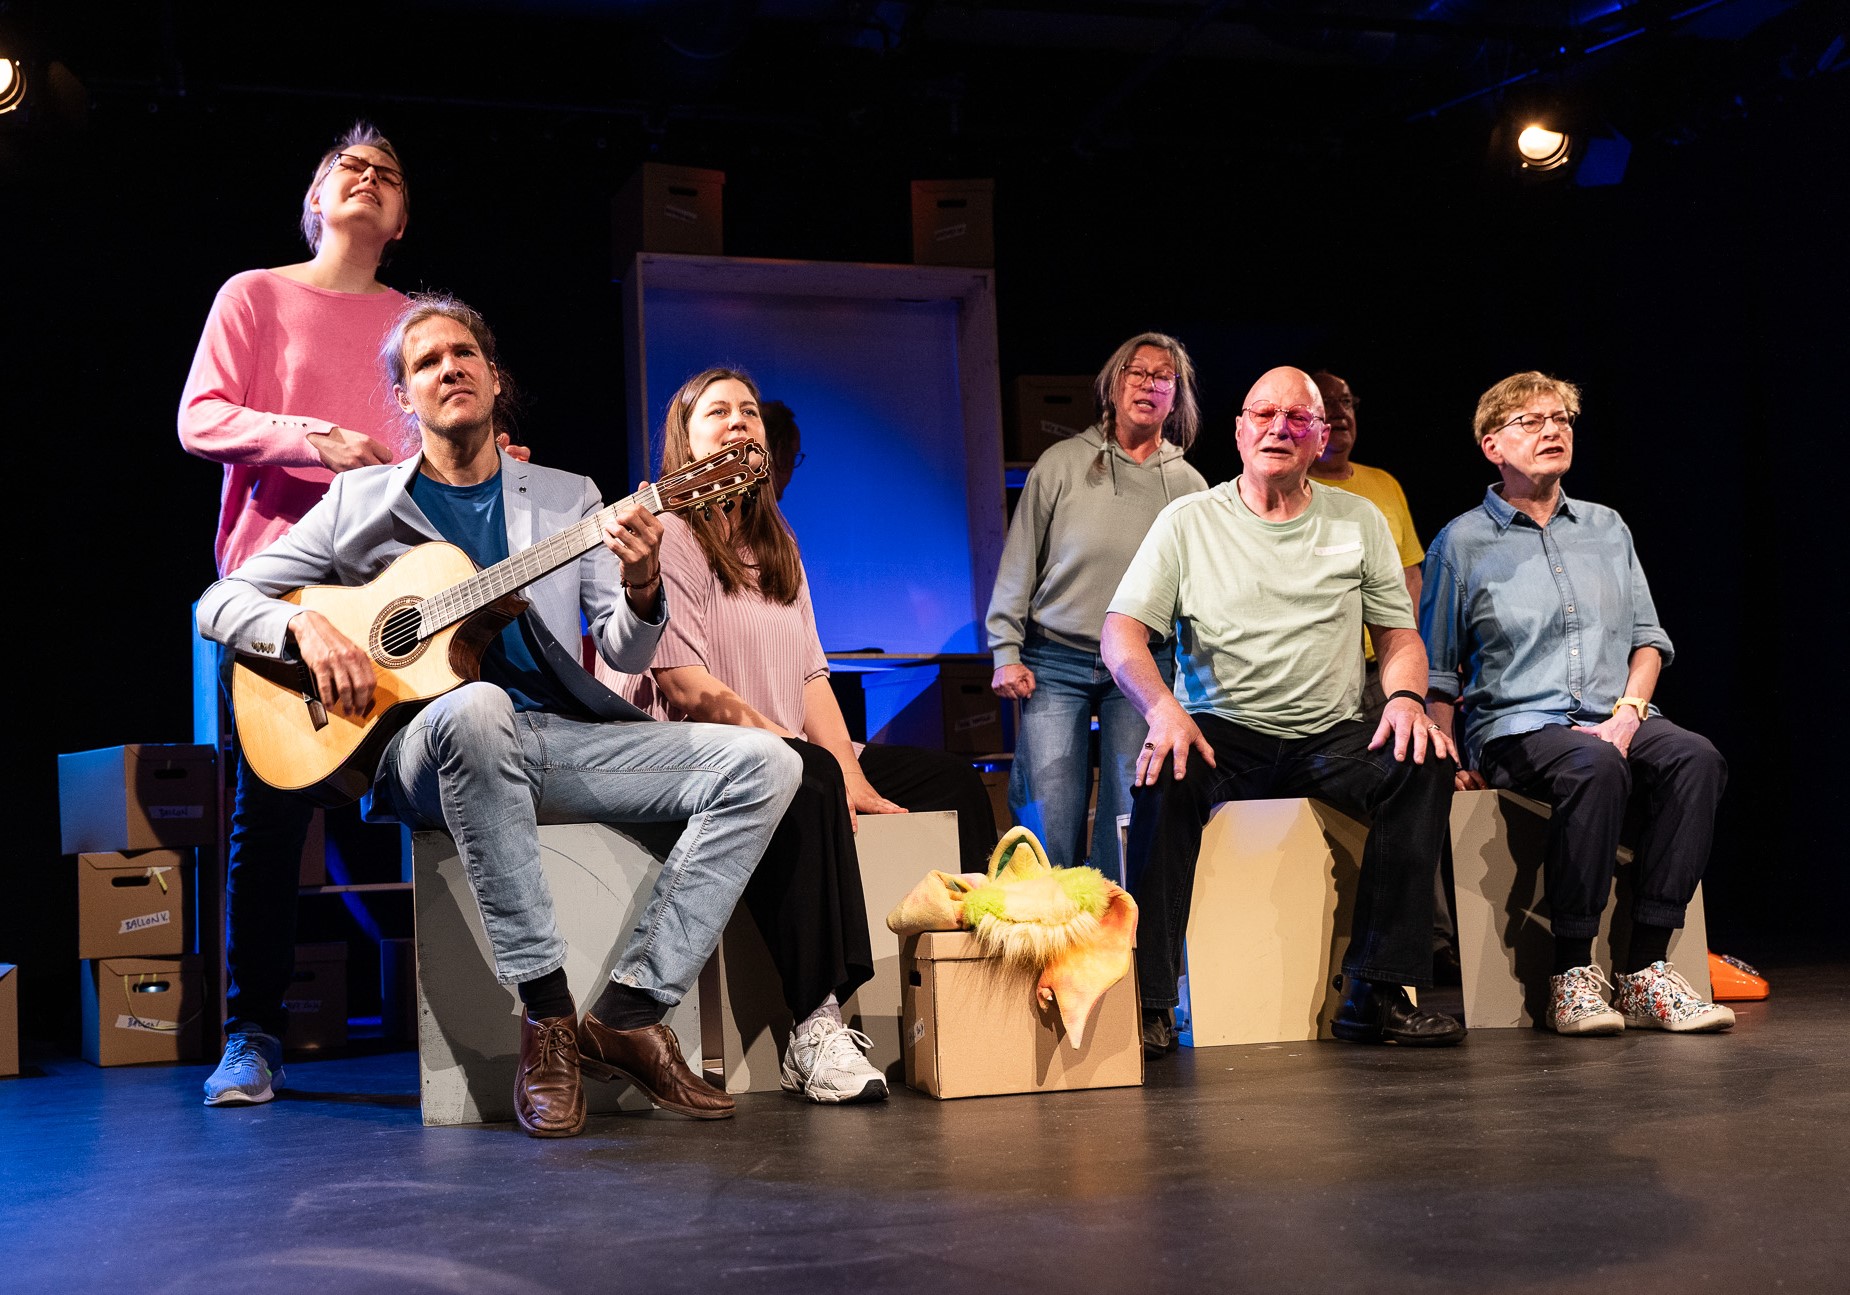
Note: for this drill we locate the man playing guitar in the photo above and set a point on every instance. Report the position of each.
(534, 738)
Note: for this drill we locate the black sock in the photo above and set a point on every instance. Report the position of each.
(1571, 953)
(548, 996)
(1649, 944)
(624, 1007)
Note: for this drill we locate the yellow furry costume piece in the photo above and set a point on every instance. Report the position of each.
(1071, 925)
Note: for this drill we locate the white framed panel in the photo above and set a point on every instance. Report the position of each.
(892, 373)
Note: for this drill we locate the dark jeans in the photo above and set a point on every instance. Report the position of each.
(1676, 775)
(1391, 936)
(805, 895)
(262, 874)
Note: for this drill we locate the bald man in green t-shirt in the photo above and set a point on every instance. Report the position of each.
(1268, 581)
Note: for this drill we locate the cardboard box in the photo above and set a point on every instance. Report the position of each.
(141, 1009)
(953, 222)
(317, 997)
(1043, 411)
(996, 783)
(9, 1019)
(943, 705)
(132, 905)
(973, 1027)
(138, 797)
(667, 209)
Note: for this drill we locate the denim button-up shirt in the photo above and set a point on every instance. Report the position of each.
(1544, 620)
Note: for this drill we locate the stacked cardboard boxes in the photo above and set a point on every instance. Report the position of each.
(134, 816)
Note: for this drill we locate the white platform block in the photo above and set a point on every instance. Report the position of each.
(742, 1000)
(1274, 893)
(1505, 941)
(468, 1025)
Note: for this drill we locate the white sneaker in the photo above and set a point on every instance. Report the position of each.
(1658, 998)
(824, 1062)
(249, 1072)
(1575, 1005)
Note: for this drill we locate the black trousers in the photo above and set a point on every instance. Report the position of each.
(805, 895)
(262, 879)
(1390, 939)
(1674, 776)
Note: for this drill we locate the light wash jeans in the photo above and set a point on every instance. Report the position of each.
(472, 765)
(1052, 771)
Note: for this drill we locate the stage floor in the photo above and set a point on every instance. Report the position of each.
(1518, 1162)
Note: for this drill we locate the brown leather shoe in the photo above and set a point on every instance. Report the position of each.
(549, 1093)
(650, 1059)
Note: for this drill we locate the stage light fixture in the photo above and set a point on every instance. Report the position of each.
(12, 84)
(1543, 149)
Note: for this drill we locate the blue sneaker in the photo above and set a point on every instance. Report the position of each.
(250, 1071)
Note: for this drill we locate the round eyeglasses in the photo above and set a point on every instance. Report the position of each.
(1299, 421)
(389, 176)
(1535, 422)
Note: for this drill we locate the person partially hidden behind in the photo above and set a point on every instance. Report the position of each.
(533, 740)
(1541, 600)
(784, 439)
(1269, 579)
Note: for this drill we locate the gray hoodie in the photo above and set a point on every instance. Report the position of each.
(1080, 518)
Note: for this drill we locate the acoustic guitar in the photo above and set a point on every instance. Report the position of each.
(425, 621)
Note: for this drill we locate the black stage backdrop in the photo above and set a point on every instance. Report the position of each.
(1700, 303)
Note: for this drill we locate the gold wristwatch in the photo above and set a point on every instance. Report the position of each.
(1638, 704)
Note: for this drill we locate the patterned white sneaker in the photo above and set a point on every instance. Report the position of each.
(1575, 1005)
(1658, 998)
(250, 1071)
(824, 1062)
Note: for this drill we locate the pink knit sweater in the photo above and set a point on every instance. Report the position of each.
(278, 360)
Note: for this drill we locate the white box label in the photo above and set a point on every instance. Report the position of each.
(145, 921)
(158, 812)
(146, 1023)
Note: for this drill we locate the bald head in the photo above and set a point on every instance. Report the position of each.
(1275, 452)
(1286, 387)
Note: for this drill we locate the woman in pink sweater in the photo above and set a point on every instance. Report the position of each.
(741, 648)
(285, 391)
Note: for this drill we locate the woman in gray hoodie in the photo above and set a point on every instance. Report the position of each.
(1086, 506)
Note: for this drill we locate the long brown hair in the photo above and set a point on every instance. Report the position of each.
(760, 553)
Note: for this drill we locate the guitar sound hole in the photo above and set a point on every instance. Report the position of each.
(395, 632)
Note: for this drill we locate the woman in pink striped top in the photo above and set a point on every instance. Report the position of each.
(741, 648)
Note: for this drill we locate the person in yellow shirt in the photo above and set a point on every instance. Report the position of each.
(1335, 468)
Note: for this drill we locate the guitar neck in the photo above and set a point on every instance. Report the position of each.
(465, 598)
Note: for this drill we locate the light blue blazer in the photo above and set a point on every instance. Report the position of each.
(367, 519)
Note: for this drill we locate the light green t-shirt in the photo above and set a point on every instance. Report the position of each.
(1269, 615)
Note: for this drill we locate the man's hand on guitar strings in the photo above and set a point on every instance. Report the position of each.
(634, 534)
(343, 673)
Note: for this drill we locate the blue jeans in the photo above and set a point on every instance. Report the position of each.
(489, 775)
(1052, 770)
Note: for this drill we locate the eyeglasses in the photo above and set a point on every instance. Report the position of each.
(1342, 402)
(1141, 377)
(1299, 421)
(1535, 422)
(389, 176)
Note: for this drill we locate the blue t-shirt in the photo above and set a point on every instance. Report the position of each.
(474, 519)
